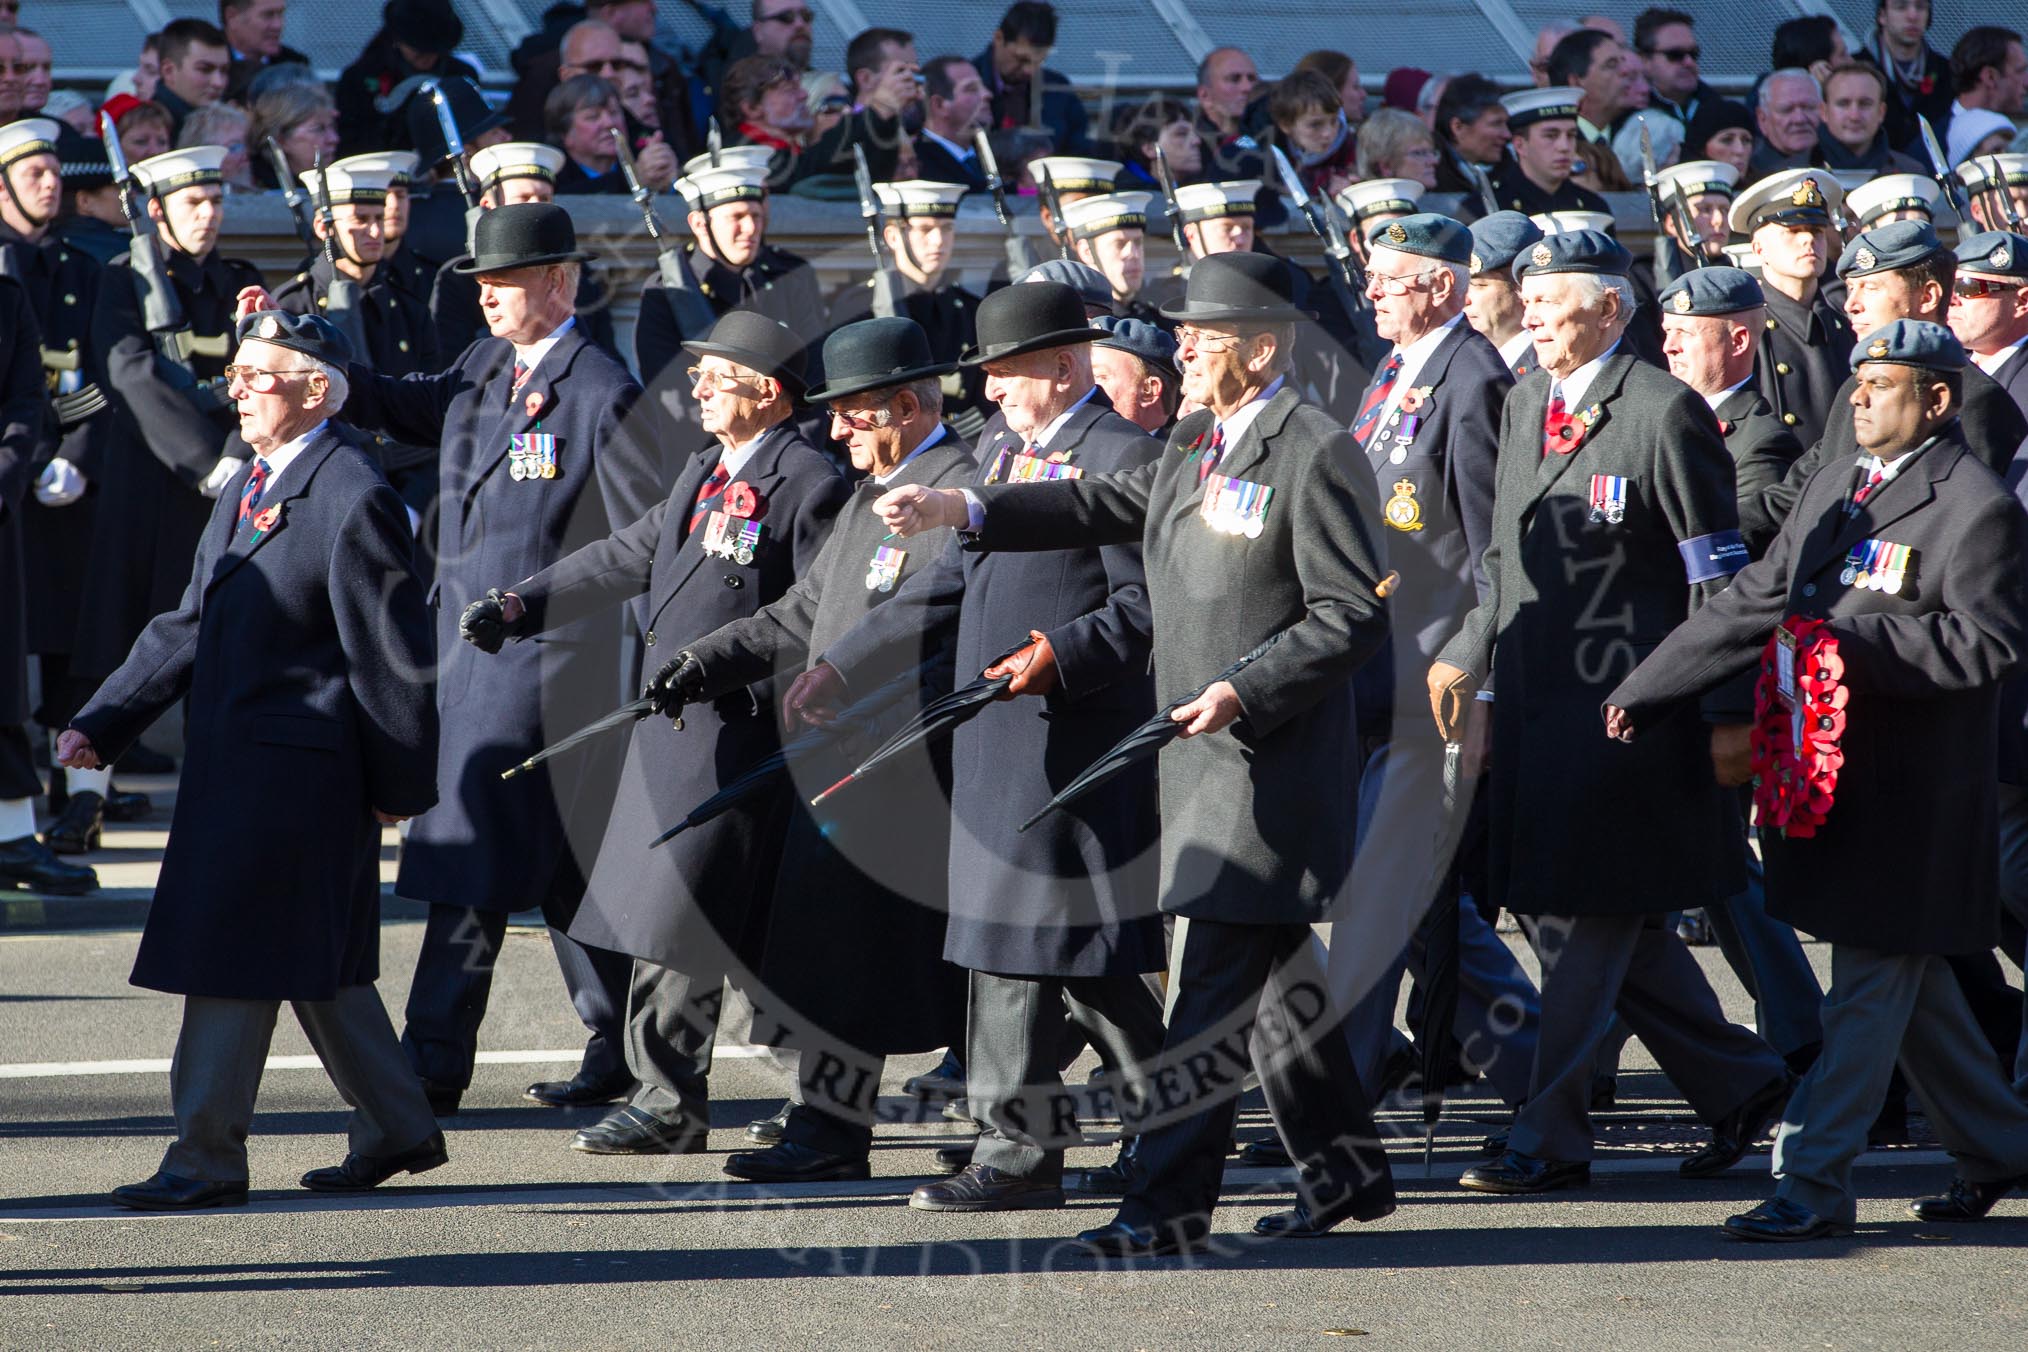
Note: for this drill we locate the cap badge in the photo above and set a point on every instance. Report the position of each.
(1865, 258)
(1877, 349)
(1541, 258)
(2002, 256)
(1396, 235)
(271, 327)
(1683, 302)
(1477, 264)
(1806, 194)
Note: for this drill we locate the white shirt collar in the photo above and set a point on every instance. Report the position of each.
(1514, 349)
(1991, 362)
(735, 458)
(1577, 384)
(285, 455)
(1242, 417)
(959, 153)
(1417, 354)
(936, 434)
(1716, 399)
(531, 356)
(1049, 429)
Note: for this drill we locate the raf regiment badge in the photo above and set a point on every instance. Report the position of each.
(885, 570)
(1541, 257)
(1877, 349)
(728, 537)
(271, 327)
(2002, 256)
(1477, 265)
(1403, 511)
(1683, 302)
(1865, 258)
(1608, 499)
(1396, 235)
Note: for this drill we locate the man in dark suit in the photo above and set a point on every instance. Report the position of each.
(731, 536)
(1924, 639)
(852, 969)
(537, 457)
(302, 647)
(1011, 66)
(1787, 216)
(954, 108)
(1256, 524)
(253, 31)
(1989, 308)
(1613, 512)
(1062, 915)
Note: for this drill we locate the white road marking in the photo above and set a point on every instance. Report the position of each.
(39, 1070)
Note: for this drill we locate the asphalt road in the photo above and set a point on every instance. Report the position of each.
(520, 1242)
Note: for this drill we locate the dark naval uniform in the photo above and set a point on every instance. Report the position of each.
(1515, 191)
(1802, 362)
(21, 415)
(168, 437)
(490, 848)
(94, 237)
(1065, 913)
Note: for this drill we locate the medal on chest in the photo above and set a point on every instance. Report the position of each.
(1235, 506)
(1608, 498)
(1012, 467)
(532, 455)
(1404, 513)
(1877, 565)
(728, 537)
(885, 569)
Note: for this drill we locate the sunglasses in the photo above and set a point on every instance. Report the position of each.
(1676, 53)
(259, 381)
(788, 16)
(1978, 288)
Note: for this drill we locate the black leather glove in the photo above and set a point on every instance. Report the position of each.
(484, 623)
(680, 681)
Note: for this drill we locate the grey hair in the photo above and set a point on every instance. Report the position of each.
(1592, 287)
(338, 388)
(1786, 73)
(929, 392)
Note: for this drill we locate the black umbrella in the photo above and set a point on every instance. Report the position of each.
(849, 720)
(1143, 741)
(625, 716)
(938, 718)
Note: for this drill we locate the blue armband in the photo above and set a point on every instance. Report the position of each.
(1713, 556)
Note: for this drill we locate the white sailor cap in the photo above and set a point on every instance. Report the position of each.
(1565, 222)
(192, 167)
(1743, 257)
(29, 136)
(1791, 197)
(710, 188)
(919, 197)
(730, 157)
(516, 159)
(1529, 106)
(1090, 217)
(401, 165)
(1696, 178)
(350, 185)
(1074, 173)
(1891, 193)
(1379, 197)
(1215, 201)
(1978, 173)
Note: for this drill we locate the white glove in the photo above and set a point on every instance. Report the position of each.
(60, 484)
(221, 475)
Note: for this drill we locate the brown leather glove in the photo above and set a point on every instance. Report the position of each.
(814, 697)
(1732, 754)
(1032, 667)
(1452, 692)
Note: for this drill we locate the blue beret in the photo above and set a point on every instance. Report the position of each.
(1588, 251)
(1150, 342)
(1889, 248)
(311, 335)
(1499, 238)
(1712, 291)
(1427, 235)
(1994, 253)
(1090, 284)
(1911, 342)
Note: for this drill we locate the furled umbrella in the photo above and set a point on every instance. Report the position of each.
(626, 715)
(938, 718)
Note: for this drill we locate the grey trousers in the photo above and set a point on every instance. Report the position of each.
(1883, 1009)
(1013, 1054)
(216, 1075)
(1594, 965)
(672, 1022)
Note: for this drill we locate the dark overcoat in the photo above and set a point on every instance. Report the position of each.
(162, 448)
(1907, 859)
(1802, 361)
(1763, 447)
(1254, 819)
(855, 936)
(671, 905)
(304, 654)
(509, 846)
(1574, 601)
(21, 414)
(1076, 894)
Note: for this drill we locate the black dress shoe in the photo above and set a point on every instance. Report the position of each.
(141, 759)
(169, 1192)
(1746, 1124)
(78, 829)
(444, 1098)
(1780, 1221)
(30, 865)
(636, 1131)
(1266, 1153)
(127, 807)
(946, 1081)
(361, 1172)
(1123, 1239)
(1293, 1224)
(790, 1162)
(1967, 1200)
(1495, 1145)
(1114, 1180)
(981, 1187)
(768, 1130)
(952, 1159)
(578, 1092)
(1515, 1172)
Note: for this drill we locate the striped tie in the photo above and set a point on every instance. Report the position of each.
(1212, 455)
(1376, 399)
(711, 488)
(250, 497)
(1874, 478)
(520, 379)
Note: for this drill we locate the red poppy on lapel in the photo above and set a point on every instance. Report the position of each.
(533, 403)
(744, 501)
(267, 521)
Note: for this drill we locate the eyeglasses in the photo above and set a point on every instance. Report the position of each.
(1978, 288)
(858, 422)
(1674, 53)
(787, 16)
(1204, 341)
(721, 381)
(1395, 286)
(259, 381)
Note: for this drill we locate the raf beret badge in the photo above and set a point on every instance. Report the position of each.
(1877, 349)
(1396, 235)
(1865, 258)
(271, 327)
(1683, 302)
(1541, 257)
(1477, 265)
(2002, 256)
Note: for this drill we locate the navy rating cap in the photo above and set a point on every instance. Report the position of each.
(1498, 239)
(1590, 251)
(1426, 235)
(1911, 342)
(1706, 292)
(1889, 248)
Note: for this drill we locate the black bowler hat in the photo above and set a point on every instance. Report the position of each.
(1028, 318)
(471, 113)
(1253, 288)
(522, 235)
(757, 343)
(426, 25)
(311, 335)
(875, 354)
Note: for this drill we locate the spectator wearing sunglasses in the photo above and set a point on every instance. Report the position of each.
(1665, 40)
